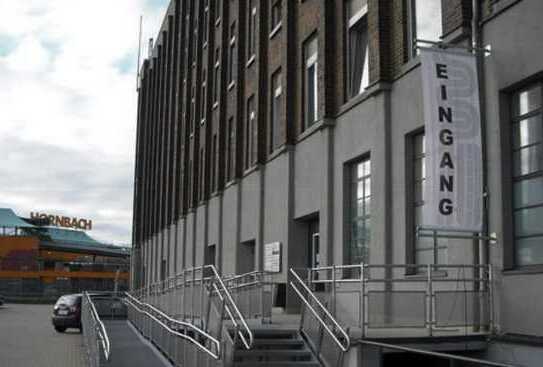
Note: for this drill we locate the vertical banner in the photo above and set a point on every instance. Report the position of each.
(453, 190)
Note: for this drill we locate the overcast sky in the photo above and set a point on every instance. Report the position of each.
(68, 107)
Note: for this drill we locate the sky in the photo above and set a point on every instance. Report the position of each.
(68, 105)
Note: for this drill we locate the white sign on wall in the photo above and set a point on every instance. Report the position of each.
(453, 191)
(272, 257)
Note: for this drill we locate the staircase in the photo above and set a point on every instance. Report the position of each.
(275, 348)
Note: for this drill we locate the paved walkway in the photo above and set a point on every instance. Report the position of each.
(128, 349)
(27, 339)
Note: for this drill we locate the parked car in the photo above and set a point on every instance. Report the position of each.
(67, 313)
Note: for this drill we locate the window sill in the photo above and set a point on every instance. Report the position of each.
(232, 182)
(317, 125)
(524, 270)
(277, 152)
(251, 169)
(275, 30)
(251, 60)
(231, 85)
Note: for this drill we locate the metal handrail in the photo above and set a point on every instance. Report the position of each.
(218, 286)
(247, 344)
(201, 346)
(433, 353)
(343, 346)
(102, 333)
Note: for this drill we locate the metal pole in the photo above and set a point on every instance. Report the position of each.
(334, 290)
(362, 300)
(429, 290)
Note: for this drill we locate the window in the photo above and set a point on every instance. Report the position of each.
(252, 30)
(192, 109)
(527, 150)
(311, 96)
(230, 152)
(231, 54)
(425, 22)
(358, 52)
(216, 76)
(276, 15)
(203, 97)
(360, 203)
(218, 4)
(214, 163)
(205, 22)
(251, 134)
(275, 109)
(425, 251)
(201, 175)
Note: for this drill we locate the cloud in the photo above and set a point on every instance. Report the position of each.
(68, 102)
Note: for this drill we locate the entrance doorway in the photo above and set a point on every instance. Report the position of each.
(246, 257)
(314, 259)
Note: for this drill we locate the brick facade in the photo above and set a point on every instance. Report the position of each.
(183, 134)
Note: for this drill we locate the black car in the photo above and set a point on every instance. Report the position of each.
(67, 312)
(1, 300)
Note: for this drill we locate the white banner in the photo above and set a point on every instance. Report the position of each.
(453, 193)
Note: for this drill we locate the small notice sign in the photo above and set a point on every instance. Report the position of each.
(272, 257)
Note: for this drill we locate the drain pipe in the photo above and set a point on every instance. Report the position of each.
(481, 250)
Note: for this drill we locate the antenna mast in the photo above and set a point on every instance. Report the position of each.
(139, 55)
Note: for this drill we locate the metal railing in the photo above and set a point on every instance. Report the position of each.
(197, 297)
(414, 300)
(253, 293)
(326, 322)
(158, 327)
(95, 336)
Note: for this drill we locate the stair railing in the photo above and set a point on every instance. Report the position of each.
(320, 312)
(236, 317)
(202, 340)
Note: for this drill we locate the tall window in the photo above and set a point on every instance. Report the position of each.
(232, 53)
(275, 109)
(425, 251)
(218, 4)
(214, 163)
(276, 15)
(251, 48)
(216, 77)
(358, 52)
(201, 175)
(230, 152)
(360, 212)
(527, 136)
(425, 22)
(251, 134)
(311, 95)
(192, 109)
(203, 97)
(206, 21)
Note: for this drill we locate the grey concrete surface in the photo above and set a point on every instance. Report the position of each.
(129, 349)
(27, 339)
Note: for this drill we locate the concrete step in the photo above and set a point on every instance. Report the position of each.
(278, 344)
(275, 355)
(277, 364)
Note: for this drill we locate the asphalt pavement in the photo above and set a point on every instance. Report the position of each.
(27, 339)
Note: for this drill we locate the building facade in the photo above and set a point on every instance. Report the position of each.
(301, 122)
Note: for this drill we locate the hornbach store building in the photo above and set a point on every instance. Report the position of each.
(41, 261)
